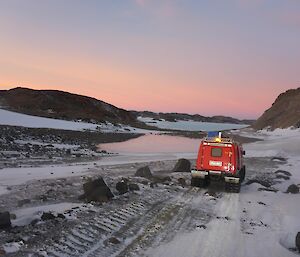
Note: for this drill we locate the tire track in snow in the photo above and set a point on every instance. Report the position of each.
(224, 237)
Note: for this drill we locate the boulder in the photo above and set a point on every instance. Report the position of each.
(122, 187)
(97, 191)
(298, 241)
(47, 216)
(5, 222)
(182, 182)
(182, 165)
(133, 187)
(293, 189)
(144, 172)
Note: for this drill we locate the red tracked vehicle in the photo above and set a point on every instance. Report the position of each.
(219, 158)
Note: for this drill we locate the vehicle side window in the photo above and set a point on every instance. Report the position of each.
(216, 152)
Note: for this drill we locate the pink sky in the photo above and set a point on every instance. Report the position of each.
(210, 58)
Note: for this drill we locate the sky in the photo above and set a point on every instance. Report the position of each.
(211, 57)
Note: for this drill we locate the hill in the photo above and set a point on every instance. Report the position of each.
(284, 112)
(194, 117)
(62, 105)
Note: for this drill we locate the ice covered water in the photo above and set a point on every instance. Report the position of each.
(154, 144)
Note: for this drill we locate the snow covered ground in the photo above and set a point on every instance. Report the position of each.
(190, 125)
(29, 121)
(167, 220)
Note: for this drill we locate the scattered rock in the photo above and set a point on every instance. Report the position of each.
(23, 202)
(280, 159)
(201, 226)
(144, 172)
(122, 187)
(261, 182)
(267, 189)
(96, 190)
(298, 241)
(2, 252)
(133, 187)
(293, 189)
(153, 184)
(282, 177)
(5, 222)
(261, 203)
(284, 172)
(161, 179)
(114, 240)
(61, 216)
(182, 165)
(182, 182)
(34, 222)
(13, 216)
(47, 216)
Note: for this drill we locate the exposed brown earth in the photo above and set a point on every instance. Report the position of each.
(284, 112)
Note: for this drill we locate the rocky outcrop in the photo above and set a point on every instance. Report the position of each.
(284, 112)
(182, 165)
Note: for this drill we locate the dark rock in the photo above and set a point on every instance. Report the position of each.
(96, 190)
(281, 159)
(267, 189)
(12, 216)
(284, 172)
(23, 202)
(293, 189)
(61, 216)
(114, 240)
(5, 222)
(34, 222)
(144, 172)
(133, 187)
(144, 182)
(282, 177)
(152, 185)
(261, 203)
(47, 216)
(122, 187)
(161, 179)
(262, 182)
(201, 226)
(182, 165)
(298, 241)
(182, 182)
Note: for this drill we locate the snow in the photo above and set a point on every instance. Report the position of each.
(24, 120)
(259, 223)
(280, 142)
(27, 215)
(12, 247)
(18, 119)
(274, 216)
(190, 125)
